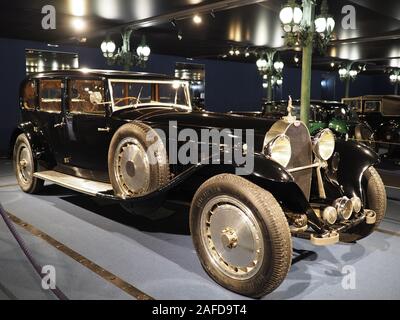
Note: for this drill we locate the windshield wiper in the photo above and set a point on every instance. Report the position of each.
(138, 98)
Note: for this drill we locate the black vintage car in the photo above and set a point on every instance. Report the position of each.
(101, 133)
(382, 113)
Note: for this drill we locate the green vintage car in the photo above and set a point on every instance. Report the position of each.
(338, 117)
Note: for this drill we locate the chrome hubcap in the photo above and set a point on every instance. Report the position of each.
(132, 167)
(24, 164)
(229, 238)
(232, 237)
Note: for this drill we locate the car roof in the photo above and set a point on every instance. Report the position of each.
(324, 103)
(375, 97)
(85, 73)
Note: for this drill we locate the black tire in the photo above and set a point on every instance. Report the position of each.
(155, 175)
(375, 199)
(269, 218)
(25, 165)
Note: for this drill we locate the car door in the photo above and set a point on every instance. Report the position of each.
(88, 134)
(50, 115)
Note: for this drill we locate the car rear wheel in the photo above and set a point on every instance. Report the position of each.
(375, 199)
(241, 235)
(137, 161)
(25, 165)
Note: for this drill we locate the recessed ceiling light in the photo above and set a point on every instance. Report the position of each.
(197, 19)
(332, 64)
(78, 24)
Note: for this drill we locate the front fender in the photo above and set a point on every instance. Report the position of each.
(273, 177)
(355, 159)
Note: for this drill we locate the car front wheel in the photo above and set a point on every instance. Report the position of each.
(25, 165)
(375, 199)
(241, 235)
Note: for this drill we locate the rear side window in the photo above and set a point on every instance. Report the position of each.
(50, 95)
(372, 106)
(87, 96)
(29, 96)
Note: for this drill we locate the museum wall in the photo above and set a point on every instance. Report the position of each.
(229, 85)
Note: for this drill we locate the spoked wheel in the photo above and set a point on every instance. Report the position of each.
(241, 235)
(25, 166)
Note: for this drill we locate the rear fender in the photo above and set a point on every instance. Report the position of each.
(38, 142)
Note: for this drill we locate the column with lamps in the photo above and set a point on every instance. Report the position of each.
(347, 74)
(395, 80)
(124, 56)
(270, 70)
(302, 29)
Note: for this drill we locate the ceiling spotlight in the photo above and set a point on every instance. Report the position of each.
(231, 52)
(180, 35)
(197, 19)
(78, 24)
(212, 13)
(332, 64)
(237, 52)
(173, 22)
(296, 59)
(247, 54)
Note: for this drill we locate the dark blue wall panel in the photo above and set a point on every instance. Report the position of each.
(229, 85)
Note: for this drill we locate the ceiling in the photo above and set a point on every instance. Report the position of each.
(226, 23)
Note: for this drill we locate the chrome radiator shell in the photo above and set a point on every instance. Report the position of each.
(302, 153)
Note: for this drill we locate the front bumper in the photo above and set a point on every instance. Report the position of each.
(333, 235)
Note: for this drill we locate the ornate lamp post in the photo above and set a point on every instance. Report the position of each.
(348, 74)
(124, 56)
(302, 29)
(395, 80)
(270, 70)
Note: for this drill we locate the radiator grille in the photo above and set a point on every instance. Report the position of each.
(301, 155)
(301, 151)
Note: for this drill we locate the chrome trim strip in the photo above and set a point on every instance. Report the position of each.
(89, 187)
(314, 165)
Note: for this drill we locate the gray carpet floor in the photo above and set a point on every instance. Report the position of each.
(158, 257)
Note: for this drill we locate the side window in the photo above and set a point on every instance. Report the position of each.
(86, 96)
(50, 95)
(372, 106)
(29, 96)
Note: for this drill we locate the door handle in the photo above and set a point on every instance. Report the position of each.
(107, 129)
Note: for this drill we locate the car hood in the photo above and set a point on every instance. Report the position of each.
(196, 119)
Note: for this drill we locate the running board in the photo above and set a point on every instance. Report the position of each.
(89, 187)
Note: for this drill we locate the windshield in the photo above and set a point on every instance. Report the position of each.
(134, 93)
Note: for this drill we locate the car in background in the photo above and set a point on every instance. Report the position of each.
(336, 116)
(382, 113)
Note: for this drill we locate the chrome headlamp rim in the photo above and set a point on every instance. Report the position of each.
(324, 144)
(278, 149)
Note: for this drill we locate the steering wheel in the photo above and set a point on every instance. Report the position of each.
(126, 98)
